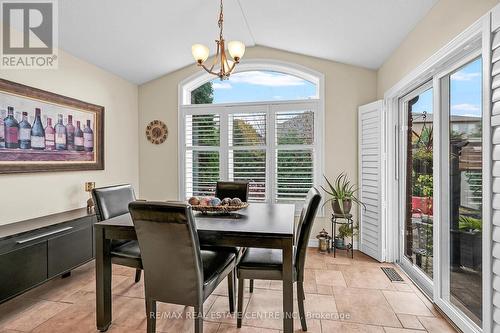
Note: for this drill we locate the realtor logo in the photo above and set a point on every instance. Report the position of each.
(29, 35)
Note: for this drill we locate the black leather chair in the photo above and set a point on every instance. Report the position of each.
(235, 189)
(267, 264)
(113, 201)
(176, 270)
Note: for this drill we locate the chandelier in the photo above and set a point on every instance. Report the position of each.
(222, 66)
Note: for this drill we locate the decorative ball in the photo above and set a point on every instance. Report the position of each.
(215, 202)
(226, 202)
(194, 201)
(236, 202)
(205, 202)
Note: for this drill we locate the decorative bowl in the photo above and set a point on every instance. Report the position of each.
(218, 209)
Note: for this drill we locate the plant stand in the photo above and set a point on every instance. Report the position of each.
(342, 219)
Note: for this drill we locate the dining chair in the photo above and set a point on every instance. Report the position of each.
(113, 201)
(176, 270)
(232, 189)
(267, 264)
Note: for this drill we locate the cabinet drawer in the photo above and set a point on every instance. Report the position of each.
(69, 250)
(22, 269)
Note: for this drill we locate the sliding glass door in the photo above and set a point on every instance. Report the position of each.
(441, 190)
(416, 165)
(462, 187)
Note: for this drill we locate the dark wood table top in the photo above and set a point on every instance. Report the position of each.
(262, 219)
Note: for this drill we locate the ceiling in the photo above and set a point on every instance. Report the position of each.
(142, 40)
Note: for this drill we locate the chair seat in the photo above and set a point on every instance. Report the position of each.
(215, 263)
(128, 249)
(256, 258)
(238, 251)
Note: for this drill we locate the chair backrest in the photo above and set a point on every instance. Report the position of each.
(304, 227)
(236, 189)
(170, 251)
(112, 201)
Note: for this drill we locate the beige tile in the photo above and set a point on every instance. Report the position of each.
(74, 319)
(225, 328)
(219, 310)
(330, 278)
(365, 306)
(320, 306)
(264, 309)
(407, 303)
(324, 290)
(410, 321)
(436, 325)
(400, 330)
(329, 326)
(34, 315)
(401, 286)
(366, 276)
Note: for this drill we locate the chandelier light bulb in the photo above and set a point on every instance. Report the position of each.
(200, 53)
(236, 49)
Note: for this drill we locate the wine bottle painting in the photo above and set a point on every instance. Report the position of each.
(41, 131)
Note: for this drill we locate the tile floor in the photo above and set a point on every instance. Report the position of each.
(342, 295)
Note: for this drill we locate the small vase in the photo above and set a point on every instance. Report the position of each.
(339, 243)
(347, 204)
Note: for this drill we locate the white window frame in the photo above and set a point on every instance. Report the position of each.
(317, 105)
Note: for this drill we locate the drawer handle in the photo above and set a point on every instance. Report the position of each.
(22, 241)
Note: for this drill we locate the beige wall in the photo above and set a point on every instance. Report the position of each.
(346, 87)
(24, 196)
(446, 20)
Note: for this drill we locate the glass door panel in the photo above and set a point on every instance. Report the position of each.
(465, 189)
(418, 189)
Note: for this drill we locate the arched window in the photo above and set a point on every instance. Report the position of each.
(264, 125)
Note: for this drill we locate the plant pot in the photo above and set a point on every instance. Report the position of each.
(422, 205)
(471, 249)
(339, 243)
(347, 205)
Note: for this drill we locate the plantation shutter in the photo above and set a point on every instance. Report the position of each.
(370, 155)
(495, 154)
(247, 152)
(202, 154)
(294, 154)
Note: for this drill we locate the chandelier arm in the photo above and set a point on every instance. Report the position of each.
(210, 71)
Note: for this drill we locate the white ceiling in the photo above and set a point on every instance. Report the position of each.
(142, 40)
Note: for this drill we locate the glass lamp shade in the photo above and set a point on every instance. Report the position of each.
(200, 52)
(236, 49)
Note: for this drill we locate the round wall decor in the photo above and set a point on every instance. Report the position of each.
(157, 132)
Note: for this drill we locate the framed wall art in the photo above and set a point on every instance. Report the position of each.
(41, 131)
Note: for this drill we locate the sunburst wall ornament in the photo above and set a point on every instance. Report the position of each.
(157, 132)
(222, 66)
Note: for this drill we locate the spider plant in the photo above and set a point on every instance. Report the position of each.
(342, 192)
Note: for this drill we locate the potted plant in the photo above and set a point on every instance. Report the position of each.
(343, 233)
(422, 194)
(342, 194)
(470, 241)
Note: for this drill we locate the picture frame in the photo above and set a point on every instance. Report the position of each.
(54, 132)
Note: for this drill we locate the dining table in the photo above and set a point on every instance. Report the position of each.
(260, 225)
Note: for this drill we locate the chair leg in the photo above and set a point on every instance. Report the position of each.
(231, 283)
(300, 299)
(198, 319)
(251, 286)
(151, 315)
(138, 275)
(241, 290)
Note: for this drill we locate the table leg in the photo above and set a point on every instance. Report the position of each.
(288, 287)
(334, 232)
(103, 279)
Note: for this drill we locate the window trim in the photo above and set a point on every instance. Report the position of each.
(192, 82)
